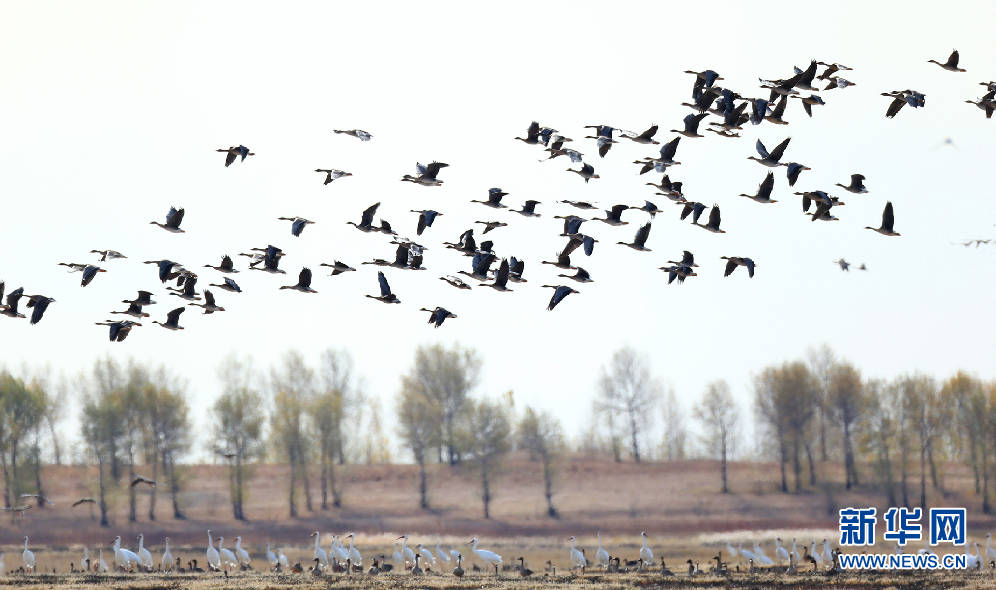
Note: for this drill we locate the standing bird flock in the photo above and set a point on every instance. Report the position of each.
(731, 109)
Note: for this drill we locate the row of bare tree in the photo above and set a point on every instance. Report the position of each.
(890, 434)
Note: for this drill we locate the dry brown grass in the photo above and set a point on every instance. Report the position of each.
(676, 503)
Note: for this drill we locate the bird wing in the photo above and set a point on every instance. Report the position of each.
(572, 244)
(368, 214)
(401, 254)
(764, 191)
(174, 217)
(731, 265)
(895, 106)
(670, 149)
(303, 278)
(232, 154)
(502, 277)
(588, 169)
(208, 298)
(776, 154)
(953, 59)
(421, 224)
(697, 209)
(617, 211)
(763, 151)
(173, 317)
(433, 169)
(641, 235)
(857, 179)
(888, 219)
(385, 289)
(714, 218)
(232, 284)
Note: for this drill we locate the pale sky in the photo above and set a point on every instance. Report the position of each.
(113, 111)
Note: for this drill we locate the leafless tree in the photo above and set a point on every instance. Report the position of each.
(446, 376)
(239, 416)
(540, 433)
(628, 394)
(419, 420)
(489, 432)
(718, 414)
(293, 386)
(675, 433)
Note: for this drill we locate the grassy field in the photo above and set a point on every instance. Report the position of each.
(869, 581)
(676, 503)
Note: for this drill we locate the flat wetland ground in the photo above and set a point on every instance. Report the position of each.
(676, 503)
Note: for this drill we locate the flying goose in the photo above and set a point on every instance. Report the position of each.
(338, 267)
(579, 204)
(226, 265)
(209, 305)
(228, 285)
(732, 262)
(172, 319)
(951, 65)
(770, 159)
(297, 224)
(776, 114)
(490, 225)
(857, 185)
(303, 282)
(366, 220)
(119, 330)
(173, 220)
(426, 174)
(134, 310)
(532, 134)
(529, 209)
(693, 207)
(89, 272)
(234, 152)
(39, 303)
(613, 216)
(494, 198)
(108, 254)
(385, 290)
(793, 170)
(587, 172)
(714, 221)
(764, 190)
(887, 222)
(808, 102)
(559, 293)
(647, 137)
(455, 281)
(687, 259)
(10, 307)
(168, 270)
(708, 77)
(640, 239)
(357, 133)
(691, 122)
(332, 174)
(438, 315)
(581, 276)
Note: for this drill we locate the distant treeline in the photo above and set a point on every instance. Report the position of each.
(891, 435)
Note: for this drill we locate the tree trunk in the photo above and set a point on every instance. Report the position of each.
(986, 508)
(722, 463)
(848, 457)
(548, 485)
(6, 480)
(56, 447)
(974, 459)
(423, 488)
(38, 477)
(809, 459)
(293, 477)
(15, 488)
(823, 432)
(633, 432)
(325, 472)
(935, 480)
(336, 497)
(923, 477)
(169, 467)
(783, 458)
(239, 476)
(152, 491)
(131, 488)
(796, 464)
(306, 482)
(485, 489)
(101, 484)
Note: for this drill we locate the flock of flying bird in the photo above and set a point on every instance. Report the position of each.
(732, 111)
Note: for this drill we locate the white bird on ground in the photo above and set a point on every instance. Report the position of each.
(761, 556)
(990, 552)
(601, 556)
(228, 559)
(319, 554)
(441, 554)
(731, 550)
(284, 562)
(213, 559)
(2, 566)
(241, 554)
(167, 561)
(271, 557)
(84, 561)
(747, 553)
(646, 555)
(354, 553)
(144, 554)
(123, 558)
(577, 558)
(28, 557)
(488, 557)
(456, 554)
(337, 551)
(780, 552)
(972, 561)
(815, 553)
(101, 564)
(406, 552)
(427, 555)
(827, 553)
(795, 552)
